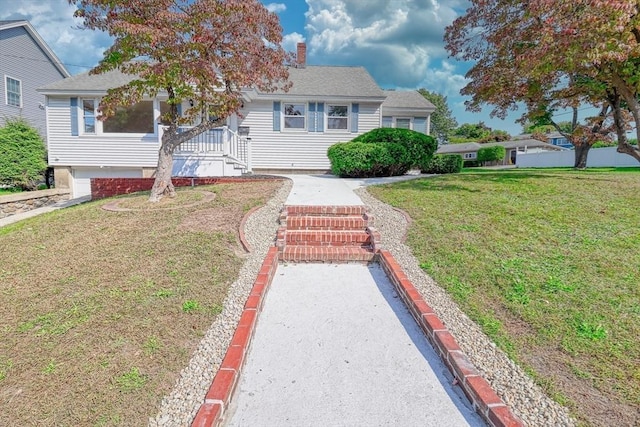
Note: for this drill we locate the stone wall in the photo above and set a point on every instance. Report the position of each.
(29, 200)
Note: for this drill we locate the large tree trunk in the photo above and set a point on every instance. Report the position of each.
(163, 186)
(582, 151)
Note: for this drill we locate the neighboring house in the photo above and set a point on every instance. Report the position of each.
(407, 110)
(553, 138)
(275, 132)
(469, 150)
(26, 63)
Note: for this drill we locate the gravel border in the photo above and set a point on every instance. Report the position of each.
(511, 383)
(180, 407)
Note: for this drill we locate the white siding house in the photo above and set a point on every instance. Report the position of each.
(273, 132)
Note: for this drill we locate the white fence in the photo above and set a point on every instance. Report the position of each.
(598, 157)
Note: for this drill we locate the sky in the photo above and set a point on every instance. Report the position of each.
(400, 42)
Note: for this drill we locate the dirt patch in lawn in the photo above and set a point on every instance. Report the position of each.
(101, 310)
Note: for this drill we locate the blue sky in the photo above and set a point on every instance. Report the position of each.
(398, 41)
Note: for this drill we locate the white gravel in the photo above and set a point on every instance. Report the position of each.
(522, 395)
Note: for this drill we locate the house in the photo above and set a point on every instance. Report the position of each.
(553, 138)
(26, 63)
(274, 132)
(469, 150)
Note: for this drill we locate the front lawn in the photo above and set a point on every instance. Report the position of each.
(102, 310)
(548, 263)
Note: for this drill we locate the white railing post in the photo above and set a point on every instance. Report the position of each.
(249, 155)
(225, 141)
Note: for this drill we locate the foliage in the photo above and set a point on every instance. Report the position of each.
(444, 163)
(204, 51)
(494, 153)
(553, 56)
(530, 127)
(472, 131)
(496, 136)
(420, 147)
(442, 121)
(367, 159)
(22, 155)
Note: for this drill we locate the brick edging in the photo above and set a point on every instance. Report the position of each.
(479, 392)
(243, 238)
(219, 395)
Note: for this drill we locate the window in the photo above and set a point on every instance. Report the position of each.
(294, 115)
(137, 118)
(13, 92)
(89, 115)
(403, 123)
(387, 121)
(337, 117)
(469, 155)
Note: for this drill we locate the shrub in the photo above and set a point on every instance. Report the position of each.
(358, 159)
(419, 147)
(470, 164)
(491, 154)
(444, 163)
(22, 155)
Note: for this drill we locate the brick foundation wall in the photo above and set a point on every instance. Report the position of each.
(109, 187)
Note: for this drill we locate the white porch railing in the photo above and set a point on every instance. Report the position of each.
(220, 141)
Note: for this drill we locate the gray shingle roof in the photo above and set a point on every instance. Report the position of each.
(86, 82)
(10, 21)
(406, 99)
(314, 80)
(459, 148)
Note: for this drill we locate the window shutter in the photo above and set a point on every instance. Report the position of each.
(179, 107)
(276, 116)
(73, 103)
(420, 124)
(355, 108)
(320, 117)
(311, 119)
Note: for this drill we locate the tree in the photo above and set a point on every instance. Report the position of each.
(472, 131)
(442, 121)
(555, 55)
(494, 153)
(203, 51)
(22, 155)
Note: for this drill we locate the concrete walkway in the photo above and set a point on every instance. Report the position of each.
(335, 346)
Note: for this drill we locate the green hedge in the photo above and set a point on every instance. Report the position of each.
(491, 154)
(22, 155)
(420, 147)
(444, 163)
(359, 159)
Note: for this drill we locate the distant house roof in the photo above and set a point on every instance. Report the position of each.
(89, 84)
(467, 147)
(8, 24)
(328, 82)
(470, 147)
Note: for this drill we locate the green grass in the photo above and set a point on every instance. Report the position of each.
(557, 251)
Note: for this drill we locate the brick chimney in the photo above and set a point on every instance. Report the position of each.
(301, 56)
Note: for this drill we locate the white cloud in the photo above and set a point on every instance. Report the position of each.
(290, 41)
(276, 7)
(79, 50)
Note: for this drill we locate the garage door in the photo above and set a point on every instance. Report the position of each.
(82, 177)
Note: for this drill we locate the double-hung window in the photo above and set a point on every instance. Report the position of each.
(13, 89)
(294, 116)
(89, 115)
(337, 117)
(403, 123)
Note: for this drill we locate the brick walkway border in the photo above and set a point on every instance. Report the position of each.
(479, 392)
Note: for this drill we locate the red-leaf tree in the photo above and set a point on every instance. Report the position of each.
(204, 51)
(550, 55)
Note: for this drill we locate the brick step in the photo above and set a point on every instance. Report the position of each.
(327, 238)
(336, 223)
(326, 254)
(302, 210)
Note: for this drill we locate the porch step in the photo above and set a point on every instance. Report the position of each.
(326, 234)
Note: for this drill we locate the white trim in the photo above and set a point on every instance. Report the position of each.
(327, 117)
(283, 117)
(6, 91)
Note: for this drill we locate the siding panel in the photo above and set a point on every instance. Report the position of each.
(23, 59)
(297, 150)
